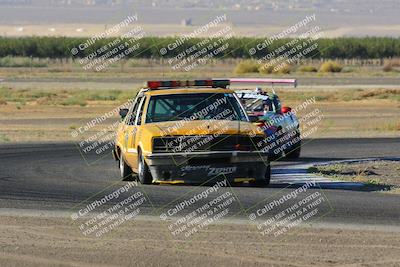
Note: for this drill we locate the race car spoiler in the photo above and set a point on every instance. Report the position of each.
(262, 80)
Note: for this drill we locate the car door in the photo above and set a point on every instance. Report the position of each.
(121, 140)
(131, 131)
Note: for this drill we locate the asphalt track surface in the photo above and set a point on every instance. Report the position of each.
(55, 177)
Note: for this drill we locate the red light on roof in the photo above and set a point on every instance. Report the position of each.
(175, 83)
(218, 83)
(153, 84)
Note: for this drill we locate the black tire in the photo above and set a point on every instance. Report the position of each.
(267, 178)
(143, 171)
(268, 175)
(275, 157)
(125, 170)
(294, 153)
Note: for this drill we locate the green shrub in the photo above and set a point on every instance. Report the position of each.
(331, 66)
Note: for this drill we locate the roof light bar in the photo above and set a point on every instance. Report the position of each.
(214, 83)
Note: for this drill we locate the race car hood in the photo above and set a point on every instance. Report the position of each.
(203, 127)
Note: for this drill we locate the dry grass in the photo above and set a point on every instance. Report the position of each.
(246, 66)
(388, 126)
(251, 66)
(330, 66)
(61, 97)
(343, 95)
(307, 68)
(28, 103)
(147, 69)
(48, 121)
(266, 69)
(382, 173)
(82, 97)
(21, 62)
(390, 65)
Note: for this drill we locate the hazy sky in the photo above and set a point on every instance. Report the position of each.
(351, 17)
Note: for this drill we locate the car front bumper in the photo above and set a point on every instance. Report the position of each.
(207, 167)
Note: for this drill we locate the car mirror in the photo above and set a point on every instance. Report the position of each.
(123, 112)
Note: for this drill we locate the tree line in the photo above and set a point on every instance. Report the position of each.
(168, 47)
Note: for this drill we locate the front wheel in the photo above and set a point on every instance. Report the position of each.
(143, 171)
(125, 170)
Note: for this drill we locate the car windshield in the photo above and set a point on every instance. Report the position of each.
(258, 105)
(195, 106)
(252, 105)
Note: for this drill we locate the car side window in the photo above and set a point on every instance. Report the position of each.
(132, 115)
(140, 111)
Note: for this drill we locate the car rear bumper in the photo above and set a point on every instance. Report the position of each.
(200, 167)
(280, 144)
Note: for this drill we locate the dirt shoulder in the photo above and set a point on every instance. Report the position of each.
(32, 241)
(381, 173)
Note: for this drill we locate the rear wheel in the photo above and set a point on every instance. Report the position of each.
(125, 170)
(143, 171)
(294, 152)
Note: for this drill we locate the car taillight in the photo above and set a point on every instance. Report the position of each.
(260, 124)
(240, 147)
(286, 109)
(263, 127)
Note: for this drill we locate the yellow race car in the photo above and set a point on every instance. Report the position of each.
(189, 132)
